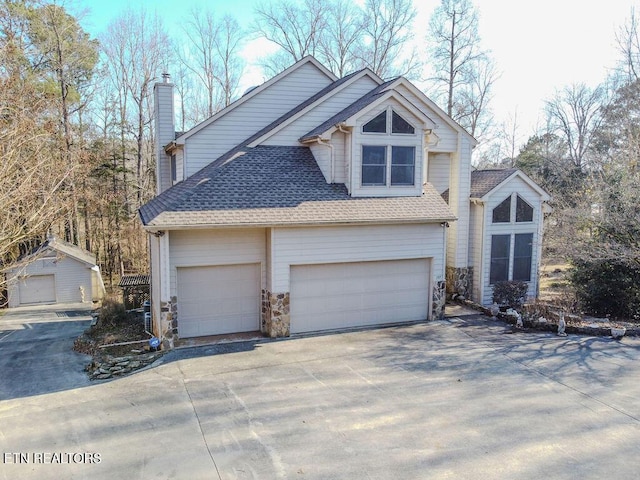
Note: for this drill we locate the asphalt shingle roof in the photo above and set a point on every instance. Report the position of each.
(276, 185)
(483, 181)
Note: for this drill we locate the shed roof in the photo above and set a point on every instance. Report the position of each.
(483, 181)
(134, 281)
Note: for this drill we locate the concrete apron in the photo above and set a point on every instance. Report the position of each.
(448, 399)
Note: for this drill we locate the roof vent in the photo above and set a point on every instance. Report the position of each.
(250, 89)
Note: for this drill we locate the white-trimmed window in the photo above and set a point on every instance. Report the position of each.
(513, 208)
(384, 165)
(390, 158)
(509, 263)
(389, 117)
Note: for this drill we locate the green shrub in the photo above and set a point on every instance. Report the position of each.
(606, 287)
(512, 293)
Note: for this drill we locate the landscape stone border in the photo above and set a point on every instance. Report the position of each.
(118, 366)
(632, 330)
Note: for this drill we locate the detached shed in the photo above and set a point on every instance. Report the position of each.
(57, 272)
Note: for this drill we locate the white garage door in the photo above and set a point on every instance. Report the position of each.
(218, 300)
(38, 289)
(340, 295)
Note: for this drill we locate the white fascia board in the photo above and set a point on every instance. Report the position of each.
(311, 106)
(432, 106)
(254, 92)
(518, 173)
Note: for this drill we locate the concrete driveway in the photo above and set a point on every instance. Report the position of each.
(450, 399)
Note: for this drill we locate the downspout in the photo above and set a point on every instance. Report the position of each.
(327, 143)
(348, 159)
(425, 155)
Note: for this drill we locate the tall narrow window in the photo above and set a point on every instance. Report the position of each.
(524, 211)
(522, 253)
(402, 165)
(502, 213)
(400, 125)
(500, 249)
(374, 165)
(376, 125)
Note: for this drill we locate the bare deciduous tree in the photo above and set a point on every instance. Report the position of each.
(387, 31)
(228, 44)
(138, 50)
(342, 38)
(32, 190)
(574, 113)
(463, 74)
(202, 30)
(628, 40)
(295, 27)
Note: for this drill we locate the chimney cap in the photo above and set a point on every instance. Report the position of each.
(166, 78)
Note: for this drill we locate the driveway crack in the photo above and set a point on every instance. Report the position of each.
(195, 412)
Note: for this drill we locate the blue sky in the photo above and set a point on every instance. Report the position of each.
(538, 46)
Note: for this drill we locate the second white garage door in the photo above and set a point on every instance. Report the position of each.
(342, 295)
(215, 300)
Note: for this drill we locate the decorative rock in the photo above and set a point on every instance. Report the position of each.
(561, 326)
(618, 332)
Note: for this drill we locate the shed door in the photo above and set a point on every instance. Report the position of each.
(342, 295)
(38, 289)
(216, 300)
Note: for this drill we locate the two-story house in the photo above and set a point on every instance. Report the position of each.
(316, 203)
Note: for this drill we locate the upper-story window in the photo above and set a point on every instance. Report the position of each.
(514, 207)
(376, 125)
(400, 125)
(385, 161)
(379, 124)
(380, 163)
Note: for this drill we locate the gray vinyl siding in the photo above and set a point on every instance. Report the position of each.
(447, 135)
(317, 245)
(165, 133)
(290, 134)
(459, 191)
(438, 170)
(194, 248)
(241, 122)
(476, 230)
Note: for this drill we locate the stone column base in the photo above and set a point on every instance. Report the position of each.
(439, 301)
(459, 282)
(276, 320)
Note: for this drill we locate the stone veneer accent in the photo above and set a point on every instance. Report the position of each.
(276, 320)
(460, 282)
(439, 300)
(168, 323)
